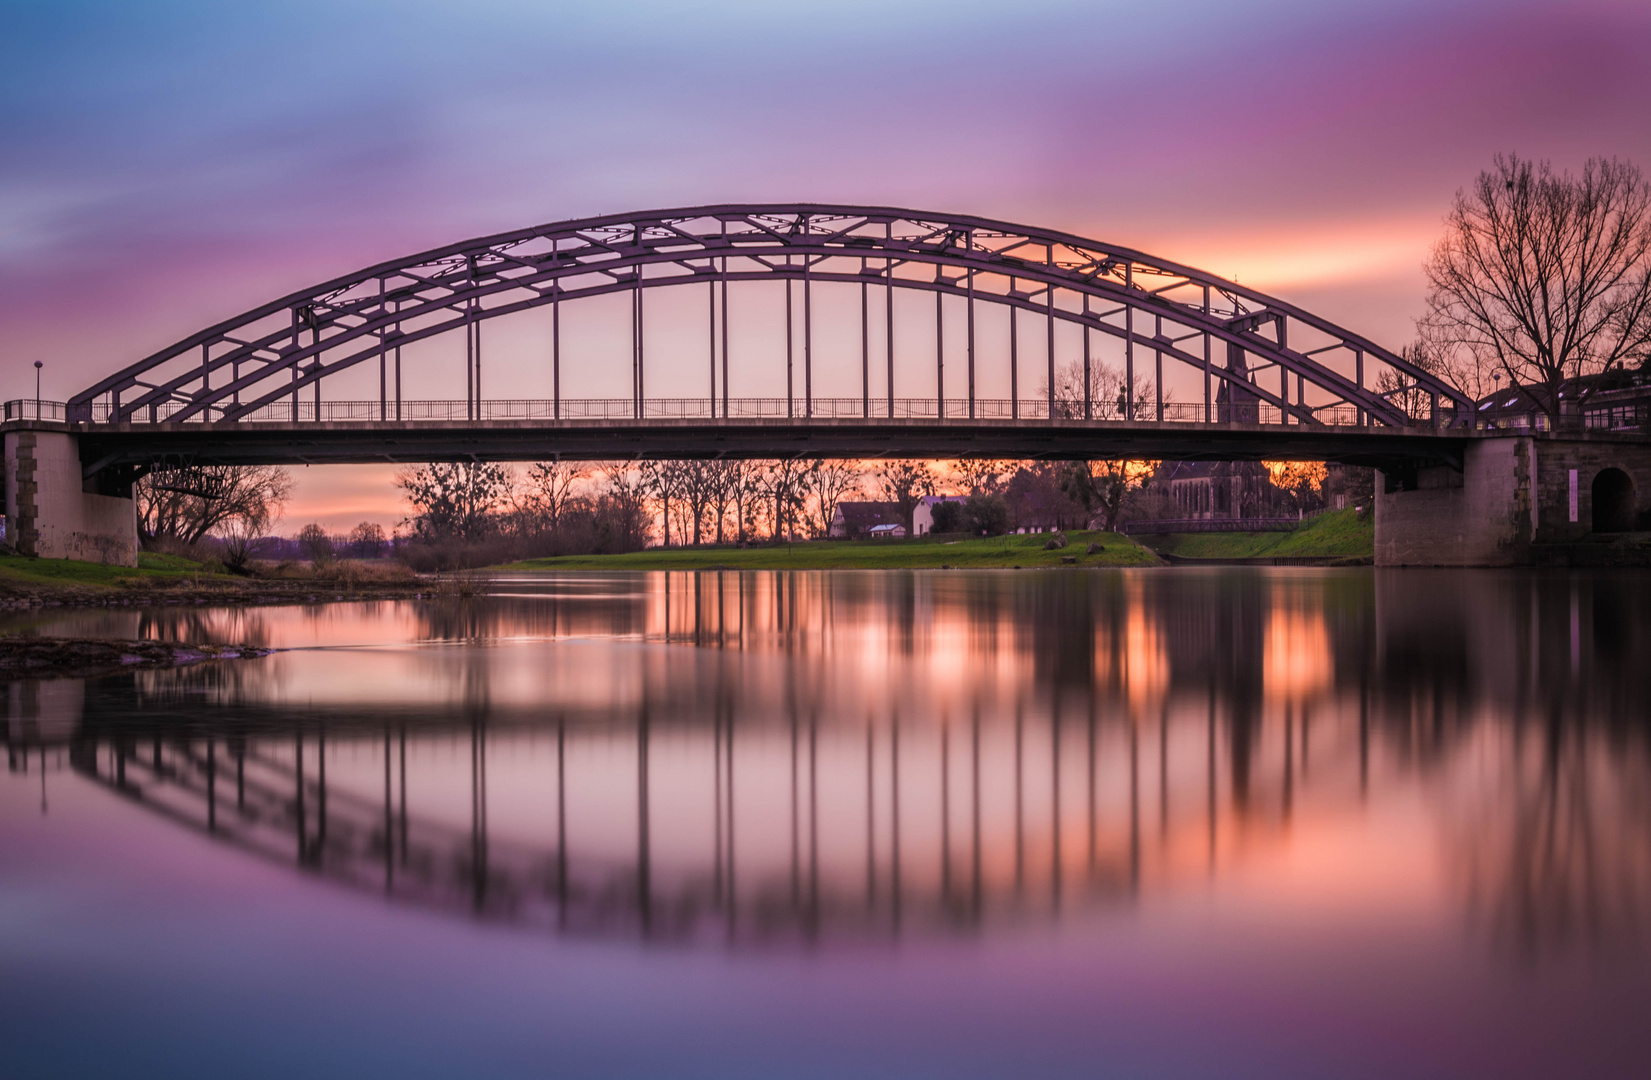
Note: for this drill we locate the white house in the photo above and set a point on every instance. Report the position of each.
(922, 515)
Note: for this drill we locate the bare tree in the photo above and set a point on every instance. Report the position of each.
(783, 485)
(455, 499)
(1108, 392)
(1409, 395)
(983, 476)
(1542, 276)
(664, 482)
(743, 492)
(367, 540)
(548, 489)
(1103, 486)
(185, 504)
(244, 535)
(721, 482)
(700, 481)
(316, 544)
(830, 483)
(904, 483)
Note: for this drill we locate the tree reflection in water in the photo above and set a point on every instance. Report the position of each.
(760, 757)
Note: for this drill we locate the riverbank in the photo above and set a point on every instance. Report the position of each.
(1338, 536)
(171, 579)
(1000, 552)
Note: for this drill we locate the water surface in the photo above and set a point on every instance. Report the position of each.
(1057, 823)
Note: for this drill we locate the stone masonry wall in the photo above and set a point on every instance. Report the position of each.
(48, 512)
(1511, 492)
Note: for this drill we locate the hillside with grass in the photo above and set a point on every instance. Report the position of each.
(1000, 552)
(1338, 534)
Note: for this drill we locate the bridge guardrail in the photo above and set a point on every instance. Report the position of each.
(837, 408)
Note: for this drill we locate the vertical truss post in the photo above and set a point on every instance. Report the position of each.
(1088, 403)
(556, 351)
(790, 392)
(1014, 358)
(1206, 358)
(383, 375)
(315, 361)
(1158, 367)
(808, 337)
(470, 360)
(725, 331)
(640, 337)
(398, 361)
(1283, 372)
(888, 311)
(292, 369)
(1129, 343)
(865, 344)
(206, 369)
(1050, 343)
(1358, 376)
(939, 348)
(711, 339)
(971, 340)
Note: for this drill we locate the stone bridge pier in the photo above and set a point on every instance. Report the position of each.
(52, 513)
(1512, 496)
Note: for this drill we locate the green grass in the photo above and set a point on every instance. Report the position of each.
(999, 551)
(152, 567)
(1337, 534)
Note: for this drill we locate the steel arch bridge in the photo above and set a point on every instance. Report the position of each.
(1291, 380)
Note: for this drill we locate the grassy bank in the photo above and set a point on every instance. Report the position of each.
(1334, 535)
(152, 569)
(172, 579)
(1002, 552)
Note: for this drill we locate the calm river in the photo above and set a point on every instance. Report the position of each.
(939, 824)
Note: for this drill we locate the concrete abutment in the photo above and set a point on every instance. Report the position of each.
(1512, 495)
(49, 511)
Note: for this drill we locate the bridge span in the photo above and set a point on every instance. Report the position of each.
(795, 330)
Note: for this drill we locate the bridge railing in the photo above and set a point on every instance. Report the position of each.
(744, 408)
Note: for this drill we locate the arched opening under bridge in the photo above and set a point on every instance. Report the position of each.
(1613, 501)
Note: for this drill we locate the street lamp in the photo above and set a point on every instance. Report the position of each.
(37, 367)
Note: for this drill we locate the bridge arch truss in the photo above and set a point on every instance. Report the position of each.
(1259, 359)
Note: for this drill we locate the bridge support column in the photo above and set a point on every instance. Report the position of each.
(51, 513)
(1517, 501)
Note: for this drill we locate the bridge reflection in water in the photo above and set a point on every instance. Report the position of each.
(749, 758)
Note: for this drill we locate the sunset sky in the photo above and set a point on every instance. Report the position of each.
(169, 163)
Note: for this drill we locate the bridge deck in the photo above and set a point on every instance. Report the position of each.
(105, 445)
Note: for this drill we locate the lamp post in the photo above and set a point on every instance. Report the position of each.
(37, 367)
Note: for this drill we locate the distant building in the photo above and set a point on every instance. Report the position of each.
(853, 520)
(1220, 489)
(922, 515)
(887, 532)
(1616, 400)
